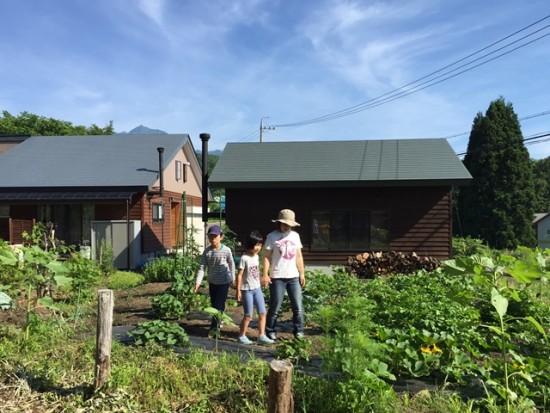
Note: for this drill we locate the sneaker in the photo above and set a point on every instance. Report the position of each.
(265, 340)
(299, 336)
(244, 340)
(272, 336)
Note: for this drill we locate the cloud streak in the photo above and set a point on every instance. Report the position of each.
(218, 66)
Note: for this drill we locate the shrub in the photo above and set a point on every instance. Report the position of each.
(124, 279)
(464, 247)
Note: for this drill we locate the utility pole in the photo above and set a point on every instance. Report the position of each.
(262, 127)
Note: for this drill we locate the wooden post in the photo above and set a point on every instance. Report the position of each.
(104, 337)
(280, 387)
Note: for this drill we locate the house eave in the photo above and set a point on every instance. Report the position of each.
(68, 194)
(340, 184)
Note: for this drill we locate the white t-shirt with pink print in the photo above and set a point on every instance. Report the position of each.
(284, 248)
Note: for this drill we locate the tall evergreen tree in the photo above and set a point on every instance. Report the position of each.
(542, 184)
(499, 204)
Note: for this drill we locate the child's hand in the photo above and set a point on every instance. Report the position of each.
(196, 287)
(265, 281)
(233, 284)
(238, 296)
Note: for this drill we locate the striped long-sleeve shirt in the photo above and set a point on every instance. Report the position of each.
(219, 265)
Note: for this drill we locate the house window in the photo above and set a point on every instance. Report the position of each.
(349, 230)
(178, 170)
(4, 211)
(158, 213)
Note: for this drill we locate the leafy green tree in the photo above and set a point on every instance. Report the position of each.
(34, 125)
(541, 168)
(499, 204)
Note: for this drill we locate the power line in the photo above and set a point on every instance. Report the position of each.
(407, 89)
(535, 115)
(531, 140)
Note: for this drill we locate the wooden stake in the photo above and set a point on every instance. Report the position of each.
(280, 387)
(104, 337)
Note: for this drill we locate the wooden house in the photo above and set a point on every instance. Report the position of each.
(348, 196)
(88, 188)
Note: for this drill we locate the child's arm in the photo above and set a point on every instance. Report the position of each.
(232, 267)
(200, 273)
(267, 260)
(239, 284)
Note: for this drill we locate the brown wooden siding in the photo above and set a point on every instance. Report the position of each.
(179, 218)
(157, 234)
(139, 209)
(17, 227)
(419, 218)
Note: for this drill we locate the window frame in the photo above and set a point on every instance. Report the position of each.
(349, 219)
(157, 212)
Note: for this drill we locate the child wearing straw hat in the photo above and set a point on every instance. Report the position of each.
(283, 270)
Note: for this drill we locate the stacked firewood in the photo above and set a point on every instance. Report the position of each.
(371, 264)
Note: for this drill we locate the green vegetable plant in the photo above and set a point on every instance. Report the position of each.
(179, 299)
(294, 350)
(43, 273)
(159, 331)
(221, 318)
(84, 275)
(504, 277)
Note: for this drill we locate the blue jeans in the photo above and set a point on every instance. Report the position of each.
(277, 292)
(251, 299)
(218, 297)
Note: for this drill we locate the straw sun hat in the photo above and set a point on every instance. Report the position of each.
(287, 216)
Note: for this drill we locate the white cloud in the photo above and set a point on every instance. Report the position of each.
(153, 9)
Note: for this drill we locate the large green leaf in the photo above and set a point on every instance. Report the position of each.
(499, 302)
(57, 267)
(48, 303)
(537, 325)
(62, 281)
(525, 272)
(8, 259)
(452, 267)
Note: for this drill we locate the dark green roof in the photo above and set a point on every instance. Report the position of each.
(339, 163)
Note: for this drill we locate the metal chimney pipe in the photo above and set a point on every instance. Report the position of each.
(161, 172)
(205, 137)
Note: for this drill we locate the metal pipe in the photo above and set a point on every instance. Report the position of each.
(205, 137)
(161, 172)
(161, 193)
(128, 237)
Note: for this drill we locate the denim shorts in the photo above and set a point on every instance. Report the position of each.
(251, 299)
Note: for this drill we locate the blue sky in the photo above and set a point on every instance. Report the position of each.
(219, 66)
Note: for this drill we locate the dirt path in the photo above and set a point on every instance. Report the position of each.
(133, 306)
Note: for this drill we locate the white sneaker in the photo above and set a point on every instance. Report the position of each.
(265, 340)
(244, 340)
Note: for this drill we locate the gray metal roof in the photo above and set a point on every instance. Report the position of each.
(87, 161)
(540, 216)
(339, 163)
